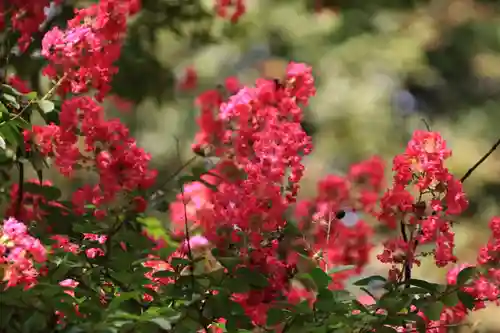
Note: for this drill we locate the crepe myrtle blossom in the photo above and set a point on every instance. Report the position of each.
(19, 254)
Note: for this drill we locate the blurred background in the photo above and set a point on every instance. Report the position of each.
(383, 67)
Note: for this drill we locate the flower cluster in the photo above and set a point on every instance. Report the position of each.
(122, 165)
(240, 209)
(233, 9)
(330, 240)
(31, 206)
(422, 201)
(25, 18)
(84, 54)
(19, 252)
(257, 136)
(189, 80)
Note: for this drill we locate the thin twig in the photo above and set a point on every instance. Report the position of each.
(407, 264)
(426, 124)
(20, 185)
(188, 240)
(481, 160)
(171, 177)
(186, 227)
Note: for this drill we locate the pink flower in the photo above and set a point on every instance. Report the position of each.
(18, 252)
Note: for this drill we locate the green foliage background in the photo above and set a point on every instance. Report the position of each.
(364, 53)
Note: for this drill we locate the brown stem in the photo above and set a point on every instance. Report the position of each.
(481, 160)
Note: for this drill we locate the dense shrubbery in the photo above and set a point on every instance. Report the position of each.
(242, 255)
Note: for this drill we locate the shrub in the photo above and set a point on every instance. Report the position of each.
(242, 254)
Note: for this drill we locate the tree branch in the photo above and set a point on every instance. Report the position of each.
(481, 160)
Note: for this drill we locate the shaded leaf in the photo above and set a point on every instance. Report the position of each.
(366, 281)
(124, 296)
(433, 310)
(229, 262)
(37, 322)
(431, 287)
(163, 323)
(11, 100)
(339, 269)
(467, 299)
(275, 316)
(49, 192)
(465, 275)
(31, 95)
(450, 299)
(3, 108)
(236, 285)
(252, 277)
(163, 274)
(320, 278)
(385, 329)
(46, 106)
(11, 90)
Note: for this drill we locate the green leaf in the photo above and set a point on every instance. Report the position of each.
(68, 308)
(252, 277)
(433, 310)
(36, 323)
(359, 306)
(236, 285)
(118, 300)
(154, 228)
(49, 192)
(20, 123)
(395, 302)
(154, 312)
(320, 278)
(368, 280)
(163, 274)
(212, 187)
(176, 261)
(415, 291)
(6, 313)
(324, 300)
(450, 299)
(218, 305)
(421, 325)
(231, 325)
(162, 323)
(187, 179)
(12, 100)
(385, 329)
(3, 108)
(31, 95)
(198, 171)
(10, 134)
(291, 229)
(60, 272)
(431, 287)
(467, 299)
(46, 106)
(275, 316)
(229, 262)
(466, 275)
(342, 295)
(11, 90)
(339, 269)
(303, 307)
